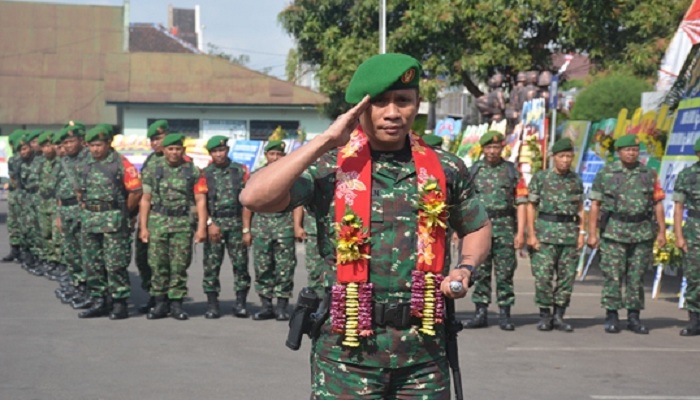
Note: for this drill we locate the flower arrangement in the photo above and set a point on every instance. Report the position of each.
(535, 151)
(669, 254)
(604, 144)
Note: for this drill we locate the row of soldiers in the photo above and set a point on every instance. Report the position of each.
(625, 219)
(74, 202)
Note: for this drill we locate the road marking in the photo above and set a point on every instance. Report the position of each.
(610, 349)
(657, 397)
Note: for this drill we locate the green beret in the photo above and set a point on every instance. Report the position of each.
(100, 132)
(156, 128)
(15, 136)
(59, 136)
(383, 72)
(432, 140)
(22, 141)
(217, 141)
(31, 135)
(564, 144)
(696, 148)
(491, 137)
(77, 128)
(628, 140)
(174, 139)
(275, 145)
(45, 137)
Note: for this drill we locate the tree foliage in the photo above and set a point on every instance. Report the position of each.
(605, 97)
(462, 41)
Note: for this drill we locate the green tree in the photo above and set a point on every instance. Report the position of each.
(462, 41)
(217, 51)
(605, 97)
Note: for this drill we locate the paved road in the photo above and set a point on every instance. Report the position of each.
(46, 352)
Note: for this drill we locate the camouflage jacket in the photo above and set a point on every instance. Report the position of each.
(103, 185)
(68, 175)
(498, 190)
(627, 191)
(29, 177)
(224, 185)
(687, 191)
(13, 166)
(393, 240)
(151, 161)
(47, 184)
(171, 188)
(556, 194)
(273, 225)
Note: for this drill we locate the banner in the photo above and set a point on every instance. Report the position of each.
(578, 132)
(5, 154)
(598, 150)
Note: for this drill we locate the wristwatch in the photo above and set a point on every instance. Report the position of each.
(246, 230)
(209, 221)
(473, 273)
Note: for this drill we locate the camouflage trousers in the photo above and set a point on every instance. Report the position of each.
(14, 210)
(106, 257)
(231, 241)
(624, 262)
(50, 242)
(502, 260)
(29, 223)
(554, 262)
(141, 261)
(275, 261)
(691, 272)
(337, 380)
(169, 255)
(314, 266)
(71, 240)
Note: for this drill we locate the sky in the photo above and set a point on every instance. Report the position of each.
(236, 26)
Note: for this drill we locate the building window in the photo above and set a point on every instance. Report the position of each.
(188, 127)
(261, 130)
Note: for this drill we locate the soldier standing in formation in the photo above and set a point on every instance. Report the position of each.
(225, 227)
(687, 196)
(627, 197)
(166, 223)
(274, 251)
(555, 224)
(155, 134)
(13, 200)
(50, 240)
(111, 190)
(498, 186)
(29, 188)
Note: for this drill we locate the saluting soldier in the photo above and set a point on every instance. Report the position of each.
(170, 191)
(686, 195)
(14, 231)
(226, 230)
(627, 197)
(556, 235)
(155, 134)
(111, 190)
(47, 206)
(498, 186)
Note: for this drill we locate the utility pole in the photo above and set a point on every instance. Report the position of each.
(382, 26)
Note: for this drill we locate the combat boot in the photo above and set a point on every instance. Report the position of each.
(693, 328)
(27, 260)
(239, 307)
(212, 306)
(146, 307)
(176, 310)
(281, 313)
(558, 321)
(634, 324)
(612, 321)
(13, 256)
(82, 299)
(545, 323)
(99, 308)
(266, 312)
(160, 310)
(480, 319)
(120, 310)
(504, 319)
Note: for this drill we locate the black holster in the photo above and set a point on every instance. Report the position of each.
(307, 318)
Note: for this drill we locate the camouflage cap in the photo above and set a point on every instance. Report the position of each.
(216, 141)
(628, 140)
(158, 127)
(432, 140)
(491, 137)
(383, 72)
(174, 139)
(564, 144)
(275, 145)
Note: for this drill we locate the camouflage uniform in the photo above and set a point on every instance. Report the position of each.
(626, 248)
(314, 263)
(171, 226)
(558, 196)
(14, 230)
(226, 212)
(274, 254)
(29, 203)
(48, 211)
(687, 191)
(141, 248)
(105, 222)
(495, 187)
(400, 352)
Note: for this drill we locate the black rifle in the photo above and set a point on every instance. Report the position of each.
(452, 327)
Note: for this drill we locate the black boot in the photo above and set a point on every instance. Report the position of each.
(58, 272)
(480, 319)
(66, 293)
(99, 308)
(239, 307)
(559, 322)
(146, 307)
(82, 299)
(160, 310)
(693, 328)
(39, 268)
(281, 313)
(213, 306)
(634, 324)
(612, 322)
(504, 319)
(176, 310)
(27, 260)
(545, 323)
(120, 310)
(13, 256)
(266, 312)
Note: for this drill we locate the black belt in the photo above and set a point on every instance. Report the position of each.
(71, 201)
(101, 206)
(32, 191)
(509, 212)
(397, 315)
(693, 214)
(226, 214)
(172, 212)
(47, 196)
(558, 217)
(631, 217)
